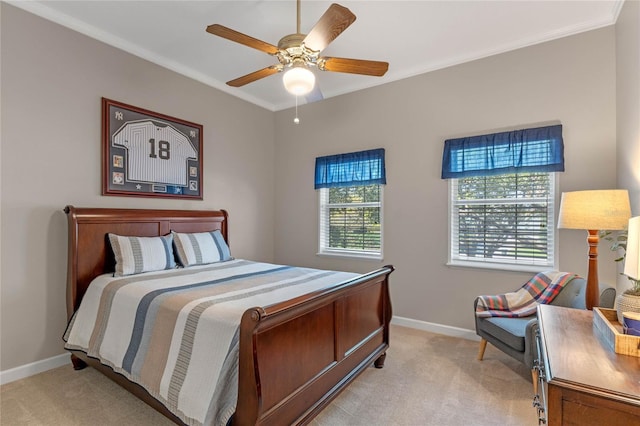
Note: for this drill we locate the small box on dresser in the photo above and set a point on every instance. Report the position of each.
(607, 325)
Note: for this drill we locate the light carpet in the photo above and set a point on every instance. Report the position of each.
(428, 379)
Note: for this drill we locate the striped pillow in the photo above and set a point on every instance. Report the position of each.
(135, 255)
(200, 248)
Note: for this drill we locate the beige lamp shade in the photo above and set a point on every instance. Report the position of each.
(632, 257)
(595, 210)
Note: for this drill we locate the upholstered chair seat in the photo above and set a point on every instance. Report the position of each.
(516, 336)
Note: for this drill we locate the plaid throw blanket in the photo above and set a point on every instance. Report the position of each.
(540, 289)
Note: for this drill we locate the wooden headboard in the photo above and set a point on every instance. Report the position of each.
(90, 254)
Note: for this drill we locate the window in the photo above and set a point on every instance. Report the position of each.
(502, 198)
(350, 195)
(350, 220)
(503, 220)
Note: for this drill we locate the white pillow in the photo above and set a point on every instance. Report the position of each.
(135, 255)
(200, 248)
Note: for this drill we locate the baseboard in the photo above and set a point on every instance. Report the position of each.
(447, 330)
(27, 370)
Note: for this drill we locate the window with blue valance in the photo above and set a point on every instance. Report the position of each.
(529, 150)
(351, 169)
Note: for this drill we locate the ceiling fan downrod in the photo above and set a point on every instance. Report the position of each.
(298, 16)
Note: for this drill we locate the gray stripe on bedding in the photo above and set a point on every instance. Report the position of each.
(112, 288)
(157, 303)
(186, 346)
(147, 299)
(138, 260)
(221, 245)
(117, 250)
(104, 313)
(167, 241)
(223, 403)
(196, 249)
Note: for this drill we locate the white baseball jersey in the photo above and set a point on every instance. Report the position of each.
(157, 152)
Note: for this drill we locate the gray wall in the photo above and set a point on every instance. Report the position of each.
(571, 81)
(52, 82)
(628, 106)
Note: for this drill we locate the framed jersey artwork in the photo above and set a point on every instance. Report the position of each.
(147, 154)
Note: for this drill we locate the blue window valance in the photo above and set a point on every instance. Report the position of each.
(352, 169)
(529, 150)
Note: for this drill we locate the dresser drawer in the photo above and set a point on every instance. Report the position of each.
(576, 408)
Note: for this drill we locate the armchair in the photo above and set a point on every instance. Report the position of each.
(515, 336)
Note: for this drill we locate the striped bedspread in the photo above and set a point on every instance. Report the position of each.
(176, 332)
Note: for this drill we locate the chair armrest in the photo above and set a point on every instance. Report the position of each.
(607, 295)
(475, 317)
(530, 349)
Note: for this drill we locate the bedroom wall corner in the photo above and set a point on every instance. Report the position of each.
(628, 107)
(0, 177)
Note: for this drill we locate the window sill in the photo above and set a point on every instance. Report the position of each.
(500, 266)
(351, 255)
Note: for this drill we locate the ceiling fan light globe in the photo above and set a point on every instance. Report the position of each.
(299, 81)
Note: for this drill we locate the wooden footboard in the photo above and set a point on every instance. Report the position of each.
(295, 357)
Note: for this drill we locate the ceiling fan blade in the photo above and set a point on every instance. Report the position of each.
(256, 75)
(354, 66)
(334, 21)
(315, 95)
(233, 35)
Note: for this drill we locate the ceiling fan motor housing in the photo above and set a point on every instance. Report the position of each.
(292, 51)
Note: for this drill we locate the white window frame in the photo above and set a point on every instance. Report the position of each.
(508, 264)
(323, 226)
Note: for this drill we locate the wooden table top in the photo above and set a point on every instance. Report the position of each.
(578, 356)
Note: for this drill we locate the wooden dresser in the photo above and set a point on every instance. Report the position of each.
(582, 381)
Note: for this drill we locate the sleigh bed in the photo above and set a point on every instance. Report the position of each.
(293, 356)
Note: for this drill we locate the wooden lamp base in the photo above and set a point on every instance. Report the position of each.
(592, 294)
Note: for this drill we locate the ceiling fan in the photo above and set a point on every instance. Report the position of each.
(299, 52)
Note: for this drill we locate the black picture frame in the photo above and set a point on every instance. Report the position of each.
(148, 154)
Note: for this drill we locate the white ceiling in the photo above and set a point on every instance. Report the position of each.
(413, 36)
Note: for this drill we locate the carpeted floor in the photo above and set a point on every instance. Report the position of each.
(428, 379)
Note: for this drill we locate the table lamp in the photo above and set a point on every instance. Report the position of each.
(594, 211)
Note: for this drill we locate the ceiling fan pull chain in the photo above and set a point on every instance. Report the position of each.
(296, 119)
